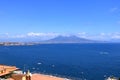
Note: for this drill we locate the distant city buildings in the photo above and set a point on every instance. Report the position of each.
(15, 43)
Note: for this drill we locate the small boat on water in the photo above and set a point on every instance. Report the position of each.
(112, 78)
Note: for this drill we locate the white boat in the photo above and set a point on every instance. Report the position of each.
(112, 78)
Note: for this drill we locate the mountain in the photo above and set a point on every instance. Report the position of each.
(115, 40)
(69, 39)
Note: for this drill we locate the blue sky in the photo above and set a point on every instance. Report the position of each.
(47, 17)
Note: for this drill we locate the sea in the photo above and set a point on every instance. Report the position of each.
(74, 61)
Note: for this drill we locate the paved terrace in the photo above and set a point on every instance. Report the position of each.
(4, 70)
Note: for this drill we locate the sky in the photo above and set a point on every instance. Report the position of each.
(94, 19)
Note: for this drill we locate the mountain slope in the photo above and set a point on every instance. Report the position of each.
(69, 39)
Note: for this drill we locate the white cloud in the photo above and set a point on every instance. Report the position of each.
(115, 35)
(29, 36)
(100, 36)
(33, 34)
(109, 36)
(82, 33)
(4, 35)
(45, 36)
(17, 36)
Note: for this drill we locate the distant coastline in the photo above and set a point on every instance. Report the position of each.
(56, 40)
(16, 43)
(38, 43)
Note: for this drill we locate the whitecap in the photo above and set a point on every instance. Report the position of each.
(39, 63)
(33, 68)
(53, 65)
(104, 53)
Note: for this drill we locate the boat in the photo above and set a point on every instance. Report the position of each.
(112, 78)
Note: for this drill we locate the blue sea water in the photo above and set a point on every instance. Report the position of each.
(76, 61)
